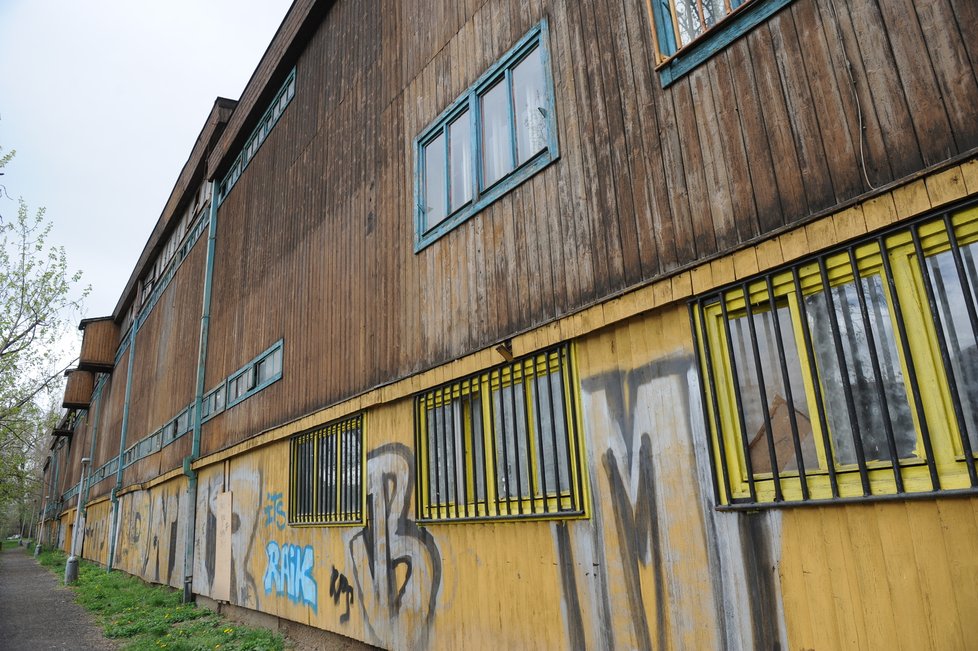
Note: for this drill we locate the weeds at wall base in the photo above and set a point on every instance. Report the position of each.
(146, 617)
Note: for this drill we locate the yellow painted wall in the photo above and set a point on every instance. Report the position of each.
(437, 603)
(151, 537)
(898, 575)
(98, 521)
(653, 566)
(640, 572)
(67, 522)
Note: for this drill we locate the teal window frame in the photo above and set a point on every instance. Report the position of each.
(252, 367)
(209, 408)
(257, 138)
(537, 37)
(677, 62)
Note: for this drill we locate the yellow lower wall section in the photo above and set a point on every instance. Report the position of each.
(152, 536)
(647, 569)
(900, 575)
(98, 520)
(653, 566)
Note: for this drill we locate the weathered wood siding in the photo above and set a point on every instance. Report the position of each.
(78, 389)
(99, 343)
(315, 243)
(165, 369)
(79, 446)
(110, 410)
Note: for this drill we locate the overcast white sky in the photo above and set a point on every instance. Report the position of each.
(103, 99)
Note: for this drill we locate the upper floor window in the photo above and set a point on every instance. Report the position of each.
(496, 135)
(848, 375)
(688, 32)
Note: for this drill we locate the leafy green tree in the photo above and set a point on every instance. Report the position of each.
(39, 301)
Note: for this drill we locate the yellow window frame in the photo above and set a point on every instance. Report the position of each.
(936, 400)
(334, 431)
(488, 385)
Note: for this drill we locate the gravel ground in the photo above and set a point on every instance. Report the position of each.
(37, 613)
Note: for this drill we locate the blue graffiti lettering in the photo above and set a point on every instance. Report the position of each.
(289, 572)
(275, 511)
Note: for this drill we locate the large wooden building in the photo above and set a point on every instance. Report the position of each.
(560, 324)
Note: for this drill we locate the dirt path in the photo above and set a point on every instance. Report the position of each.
(37, 613)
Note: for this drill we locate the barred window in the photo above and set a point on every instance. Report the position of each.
(849, 375)
(326, 474)
(502, 444)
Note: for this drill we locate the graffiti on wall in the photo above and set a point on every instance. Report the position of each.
(396, 563)
(627, 466)
(650, 417)
(94, 545)
(288, 572)
(150, 534)
(275, 511)
(340, 588)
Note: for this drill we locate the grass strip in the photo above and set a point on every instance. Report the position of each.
(151, 617)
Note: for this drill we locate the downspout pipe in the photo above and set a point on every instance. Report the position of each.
(188, 470)
(83, 505)
(114, 531)
(97, 399)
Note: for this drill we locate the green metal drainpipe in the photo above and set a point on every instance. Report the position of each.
(97, 399)
(114, 533)
(188, 470)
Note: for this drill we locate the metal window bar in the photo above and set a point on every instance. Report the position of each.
(745, 442)
(942, 342)
(540, 443)
(789, 395)
(877, 371)
(421, 499)
(816, 384)
(935, 480)
(466, 454)
(840, 356)
(516, 442)
(759, 369)
(967, 287)
(501, 409)
(326, 467)
(856, 317)
(572, 437)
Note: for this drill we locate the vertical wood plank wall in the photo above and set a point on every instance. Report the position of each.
(315, 243)
(165, 372)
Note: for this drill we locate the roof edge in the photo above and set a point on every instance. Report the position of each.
(303, 17)
(191, 175)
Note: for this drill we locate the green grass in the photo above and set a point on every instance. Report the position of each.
(10, 544)
(150, 617)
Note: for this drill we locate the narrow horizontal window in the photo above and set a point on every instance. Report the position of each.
(498, 133)
(502, 444)
(326, 474)
(258, 136)
(848, 375)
